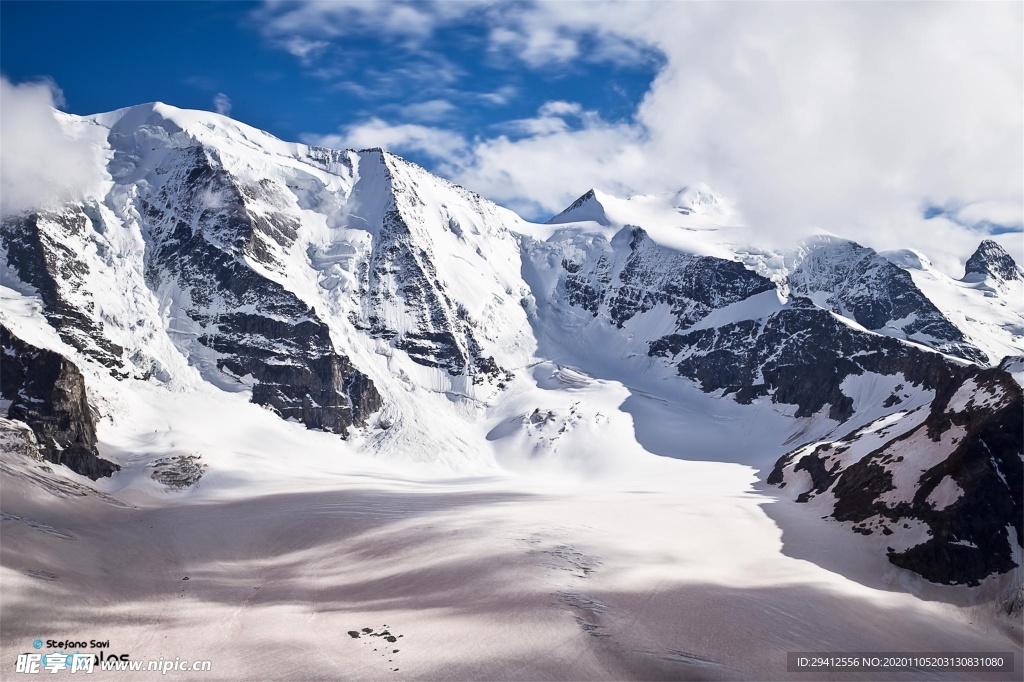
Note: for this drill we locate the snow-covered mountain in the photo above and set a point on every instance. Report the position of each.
(355, 293)
(930, 479)
(984, 304)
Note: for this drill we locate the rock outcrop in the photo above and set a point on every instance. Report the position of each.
(47, 392)
(992, 260)
(942, 482)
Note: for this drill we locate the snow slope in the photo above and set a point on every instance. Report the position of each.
(986, 309)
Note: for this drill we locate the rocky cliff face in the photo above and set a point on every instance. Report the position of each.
(992, 261)
(632, 275)
(939, 469)
(407, 295)
(282, 270)
(40, 249)
(728, 331)
(859, 284)
(47, 392)
(208, 245)
(940, 482)
(800, 356)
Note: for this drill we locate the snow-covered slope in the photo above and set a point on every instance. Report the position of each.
(325, 284)
(935, 481)
(985, 304)
(861, 285)
(354, 293)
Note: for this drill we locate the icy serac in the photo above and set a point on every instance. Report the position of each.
(356, 293)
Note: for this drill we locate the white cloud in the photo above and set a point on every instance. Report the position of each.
(535, 43)
(849, 117)
(40, 166)
(813, 116)
(1004, 213)
(560, 108)
(499, 97)
(222, 104)
(403, 138)
(551, 119)
(409, 20)
(431, 110)
(302, 48)
(425, 76)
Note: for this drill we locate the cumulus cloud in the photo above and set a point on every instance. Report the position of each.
(40, 165)
(816, 116)
(434, 142)
(222, 104)
(843, 117)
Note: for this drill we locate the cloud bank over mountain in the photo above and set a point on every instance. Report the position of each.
(852, 117)
(39, 163)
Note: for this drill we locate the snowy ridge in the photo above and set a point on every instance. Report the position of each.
(692, 206)
(987, 310)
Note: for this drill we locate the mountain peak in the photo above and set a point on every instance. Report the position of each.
(588, 207)
(697, 198)
(908, 259)
(991, 260)
(606, 209)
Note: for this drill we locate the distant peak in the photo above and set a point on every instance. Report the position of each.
(695, 196)
(824, 241)
(590, 194)
(908, 259)
(991, 260)
(586, 207)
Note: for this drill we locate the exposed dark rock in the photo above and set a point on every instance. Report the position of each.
(800, 356)
(37, 251)
(651, 275)
(991, 260)
(821, 478)
(260, 329)
(968, 538)
(580, 291)
(401, 269)
(858, 283)
(587, 196)
(179, 472)
(692, 286)
(17, 437)
(47, 392)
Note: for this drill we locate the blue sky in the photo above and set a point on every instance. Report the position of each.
(851, 117)
(107, 55)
